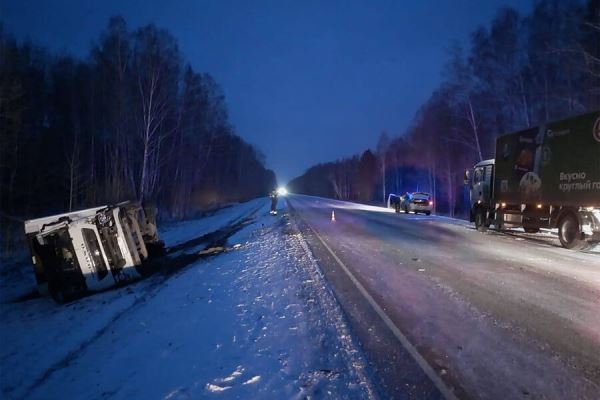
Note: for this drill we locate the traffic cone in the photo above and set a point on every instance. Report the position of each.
(333, 216)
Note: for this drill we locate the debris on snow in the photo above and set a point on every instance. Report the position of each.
(216, 388)
(238, 372)
(252, 380)
(211, 251)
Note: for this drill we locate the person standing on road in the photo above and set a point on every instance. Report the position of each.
(274, 199)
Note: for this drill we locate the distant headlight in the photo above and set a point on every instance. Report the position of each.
(431, 203)
(281, 191)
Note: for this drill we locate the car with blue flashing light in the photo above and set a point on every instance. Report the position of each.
(416, 202)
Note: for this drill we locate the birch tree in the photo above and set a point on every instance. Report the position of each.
(155, 68)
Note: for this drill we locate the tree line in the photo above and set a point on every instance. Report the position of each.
(521, 71)
(131, 121)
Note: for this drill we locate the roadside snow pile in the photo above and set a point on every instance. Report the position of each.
(255, 321)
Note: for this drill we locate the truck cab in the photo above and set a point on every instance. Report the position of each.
(90, 250)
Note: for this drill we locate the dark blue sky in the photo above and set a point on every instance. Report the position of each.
(305, 81)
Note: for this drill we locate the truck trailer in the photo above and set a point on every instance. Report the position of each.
(542, 177)
(91, 250)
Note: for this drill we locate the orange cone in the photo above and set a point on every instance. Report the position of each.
(333, 216)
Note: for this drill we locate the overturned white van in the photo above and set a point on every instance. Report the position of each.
(92, 249)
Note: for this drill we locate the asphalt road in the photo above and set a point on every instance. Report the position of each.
(484, 315)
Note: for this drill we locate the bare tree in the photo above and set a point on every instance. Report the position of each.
(156, 67)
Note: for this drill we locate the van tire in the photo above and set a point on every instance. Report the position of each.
(57, 294)
(65, 288)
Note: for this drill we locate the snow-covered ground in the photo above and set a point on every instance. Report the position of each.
(256, 320)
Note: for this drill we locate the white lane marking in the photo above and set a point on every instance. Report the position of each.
(427, 369)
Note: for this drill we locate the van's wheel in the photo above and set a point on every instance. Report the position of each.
(569, 234)
(64, 294)
(57, 292)
(156, 249)
(480, 221)
(65, 288)
(55, 286)
(427, 212)
(57, 295)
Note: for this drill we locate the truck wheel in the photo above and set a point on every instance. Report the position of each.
(427, 212)
(568, 233)
(57, 294)
(64, 288)
(498, 223)
(156, 249)
(480, 223)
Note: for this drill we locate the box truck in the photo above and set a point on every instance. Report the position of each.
(542, 177)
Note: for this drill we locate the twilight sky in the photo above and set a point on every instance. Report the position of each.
(305, 81)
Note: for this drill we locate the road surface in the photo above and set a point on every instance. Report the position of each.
(483, 315)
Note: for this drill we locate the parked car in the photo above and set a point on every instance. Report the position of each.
(417, 202)
(394, 202)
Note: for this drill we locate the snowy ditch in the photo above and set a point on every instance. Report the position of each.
(241, 311)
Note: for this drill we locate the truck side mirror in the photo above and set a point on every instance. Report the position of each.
(467, 176)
